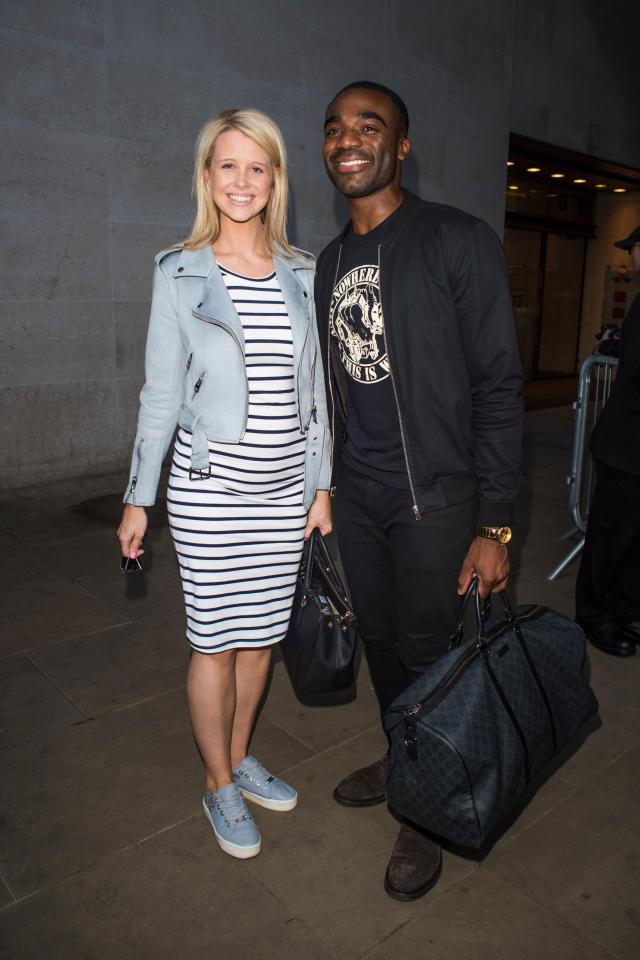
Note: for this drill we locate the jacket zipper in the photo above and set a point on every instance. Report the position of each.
(329, 367)
(303, 429)
(198, 384)
(134, 478)
(190, 358)
(415, 507)
(223, 326)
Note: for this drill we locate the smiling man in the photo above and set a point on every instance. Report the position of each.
(424, 381)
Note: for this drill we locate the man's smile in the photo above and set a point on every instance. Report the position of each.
(351, 164)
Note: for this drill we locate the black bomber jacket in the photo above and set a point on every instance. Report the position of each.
(453, 355)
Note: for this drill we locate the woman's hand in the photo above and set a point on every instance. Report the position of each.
(319, 514)
(132, 529)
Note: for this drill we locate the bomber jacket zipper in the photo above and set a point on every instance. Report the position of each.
(329, 364)
(232, 333)
(416, 509)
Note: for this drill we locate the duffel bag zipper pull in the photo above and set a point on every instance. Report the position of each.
(410, 731)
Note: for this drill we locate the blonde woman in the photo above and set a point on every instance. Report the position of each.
(232, 360)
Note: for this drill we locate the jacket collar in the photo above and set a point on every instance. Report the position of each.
(216, 302)
(200, 263)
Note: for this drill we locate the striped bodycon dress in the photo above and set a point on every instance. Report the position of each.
(239, 534)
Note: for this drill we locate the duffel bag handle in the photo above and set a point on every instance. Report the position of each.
(482, 610)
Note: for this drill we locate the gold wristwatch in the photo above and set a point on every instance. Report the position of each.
(501, 534)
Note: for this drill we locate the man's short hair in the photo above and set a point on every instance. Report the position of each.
(400, 106)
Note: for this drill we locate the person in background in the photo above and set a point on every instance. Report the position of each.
(424, 385)
(232, 360)
(608, 581)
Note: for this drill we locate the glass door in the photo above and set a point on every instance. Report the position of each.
(546, 272)
(561, 306)
(524, 249)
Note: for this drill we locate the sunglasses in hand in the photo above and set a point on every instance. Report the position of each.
(130, 564)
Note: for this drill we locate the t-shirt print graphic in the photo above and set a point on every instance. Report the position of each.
(358, 326)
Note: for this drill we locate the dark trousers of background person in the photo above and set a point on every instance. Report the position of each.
(608, 582)
(402, 573)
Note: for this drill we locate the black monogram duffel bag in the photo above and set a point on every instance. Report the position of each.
(469, 735)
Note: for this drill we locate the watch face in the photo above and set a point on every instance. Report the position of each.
(504, 534)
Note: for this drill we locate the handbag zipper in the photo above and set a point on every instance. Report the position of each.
(416, 509)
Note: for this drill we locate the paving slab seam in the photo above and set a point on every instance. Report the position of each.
(292, 916)
(73, 636)
(601, 772)
(94, 863)
(95, 596)
(137, 703)
(15, 904)
(7, 885)
(574, 789)
(561, 918)
(420, 911)
(176, 609)
(274, 723)
(54, 683)
(322, 753)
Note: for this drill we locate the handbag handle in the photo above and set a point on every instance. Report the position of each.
(308, 556)
(336, 580)
(318, 552)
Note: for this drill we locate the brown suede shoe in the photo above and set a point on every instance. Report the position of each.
(415, 865)
(365, 787)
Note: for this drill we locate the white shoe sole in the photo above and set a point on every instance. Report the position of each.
(281, 805)
(233, 849)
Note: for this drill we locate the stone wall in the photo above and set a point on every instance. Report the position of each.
(99, 109)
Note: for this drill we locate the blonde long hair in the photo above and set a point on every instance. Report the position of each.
(263, 131)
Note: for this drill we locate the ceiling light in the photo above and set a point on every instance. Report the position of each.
(533, 170)
(511, 163)
(619, 189)
(579, 180)
(513, 187)
(557, 176)
(601, 186)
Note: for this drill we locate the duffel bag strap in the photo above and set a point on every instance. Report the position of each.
(483, 610)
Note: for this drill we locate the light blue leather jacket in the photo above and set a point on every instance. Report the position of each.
(195, 369)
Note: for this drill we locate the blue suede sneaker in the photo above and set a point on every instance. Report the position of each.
(257, 784)
(232, 823)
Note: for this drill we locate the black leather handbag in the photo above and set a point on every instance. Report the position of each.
(320, 645)
(469, 735)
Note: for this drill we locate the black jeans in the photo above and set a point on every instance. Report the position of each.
(608, 582)
(402, 574)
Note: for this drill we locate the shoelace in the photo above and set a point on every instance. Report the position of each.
(234, 810)
(257, 773)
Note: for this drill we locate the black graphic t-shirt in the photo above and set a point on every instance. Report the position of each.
(373, 443)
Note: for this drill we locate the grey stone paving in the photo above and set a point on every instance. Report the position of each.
(104, 849)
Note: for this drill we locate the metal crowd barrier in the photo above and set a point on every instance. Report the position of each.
(594, 387)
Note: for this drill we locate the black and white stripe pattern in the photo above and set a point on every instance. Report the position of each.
(238, 534)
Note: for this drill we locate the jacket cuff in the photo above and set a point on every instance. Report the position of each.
(495, 513)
